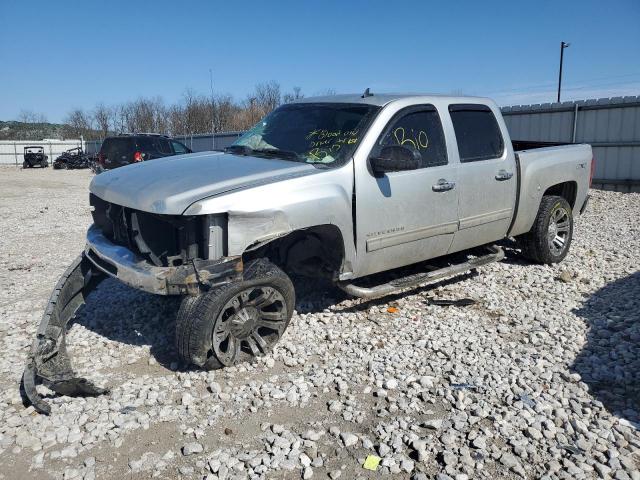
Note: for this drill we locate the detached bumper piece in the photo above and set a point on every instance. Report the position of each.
(49, 362)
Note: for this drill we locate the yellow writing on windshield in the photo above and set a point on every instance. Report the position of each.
(333, 141)
(324, 144)
(323, 133)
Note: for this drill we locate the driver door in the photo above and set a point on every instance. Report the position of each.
(408, 216)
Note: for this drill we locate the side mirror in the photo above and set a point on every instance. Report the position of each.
(395, 158)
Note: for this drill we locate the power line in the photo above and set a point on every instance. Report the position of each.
(530, 88)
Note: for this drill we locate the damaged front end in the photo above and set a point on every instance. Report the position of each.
(49, 362)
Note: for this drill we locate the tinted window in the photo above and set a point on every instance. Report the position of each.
(419, 130)
(117, 149)
(325, 133)
(477, 132)
(164, 146)
(154, 146)
(179, 148)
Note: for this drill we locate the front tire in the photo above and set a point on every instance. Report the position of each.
(236, 322)
(550, 237)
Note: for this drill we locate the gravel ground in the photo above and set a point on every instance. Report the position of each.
(539, 379)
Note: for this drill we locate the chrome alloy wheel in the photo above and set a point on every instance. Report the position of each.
(250, 323)
(559, 230)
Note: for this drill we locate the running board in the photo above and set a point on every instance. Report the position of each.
(496, 254)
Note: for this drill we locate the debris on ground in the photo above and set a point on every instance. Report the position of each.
(443, 302)
(565, 276)
(371, 463)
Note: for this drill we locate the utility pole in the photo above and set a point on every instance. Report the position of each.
(563, 45)
(213, 135)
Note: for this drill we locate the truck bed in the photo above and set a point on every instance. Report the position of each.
(542, 164)
(519, 145)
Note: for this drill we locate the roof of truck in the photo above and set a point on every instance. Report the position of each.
(381, 99)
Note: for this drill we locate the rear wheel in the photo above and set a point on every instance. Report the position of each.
(236, 322)
(550, 237)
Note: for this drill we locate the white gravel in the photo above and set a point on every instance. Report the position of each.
(539, 379)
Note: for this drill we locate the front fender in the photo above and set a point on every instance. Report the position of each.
(260, 214)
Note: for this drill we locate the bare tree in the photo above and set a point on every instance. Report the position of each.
(102, 116)
(267, 96)
(193, 114)
(295, 95)
(117, 119)
(327, 92)
(28, 116)
(78, 123)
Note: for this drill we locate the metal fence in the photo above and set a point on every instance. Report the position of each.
(197, 143)
(11, 152)
(610, 125)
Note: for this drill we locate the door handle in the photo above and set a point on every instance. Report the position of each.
(443, 185)
(503, 175)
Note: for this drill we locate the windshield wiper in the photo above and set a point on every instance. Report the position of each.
(239, 149)
(266, 152)
(274, 152)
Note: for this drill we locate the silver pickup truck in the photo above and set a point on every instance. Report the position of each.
(341, 187)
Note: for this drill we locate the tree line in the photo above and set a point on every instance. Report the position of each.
(193, 114)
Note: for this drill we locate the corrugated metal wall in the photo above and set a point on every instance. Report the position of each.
(610, 125)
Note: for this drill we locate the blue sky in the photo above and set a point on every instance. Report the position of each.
(90, 52)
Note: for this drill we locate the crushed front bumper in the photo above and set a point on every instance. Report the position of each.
(49, 362)
(121, 263)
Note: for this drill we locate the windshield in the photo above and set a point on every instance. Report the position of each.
(317, 133)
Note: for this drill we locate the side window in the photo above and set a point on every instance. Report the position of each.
(163, 146)
(421, 130)
(179, 148)
(146, 145)
(477, 132)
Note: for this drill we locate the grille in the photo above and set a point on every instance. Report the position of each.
(164, 240)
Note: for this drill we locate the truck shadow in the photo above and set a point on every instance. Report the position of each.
(125, 315)
(610, 361)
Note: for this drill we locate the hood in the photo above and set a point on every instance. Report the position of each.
(169, 185)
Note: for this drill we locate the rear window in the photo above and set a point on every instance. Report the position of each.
(477, 132)
(154, 145)
(118, 148)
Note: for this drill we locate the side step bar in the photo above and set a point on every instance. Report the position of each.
(495, 255)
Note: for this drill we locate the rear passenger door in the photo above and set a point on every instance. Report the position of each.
(487, 176)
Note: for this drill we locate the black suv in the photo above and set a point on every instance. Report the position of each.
(132, 148)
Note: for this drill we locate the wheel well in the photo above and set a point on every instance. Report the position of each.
(313, 251)
(567, 190)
